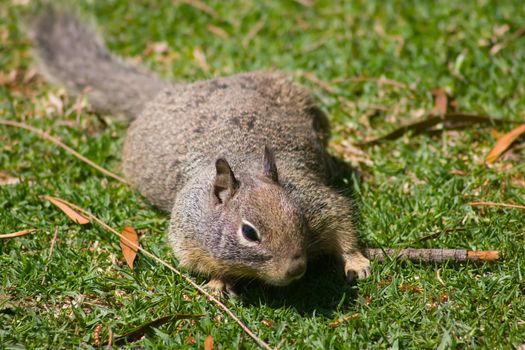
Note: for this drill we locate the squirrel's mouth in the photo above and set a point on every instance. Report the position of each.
(282, 282)
(285, 278)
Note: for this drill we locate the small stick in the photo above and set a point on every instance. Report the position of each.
(62, 145)
(53, 242)
(494, 204)
(432, 255)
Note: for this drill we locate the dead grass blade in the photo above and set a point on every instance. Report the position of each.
(494, 204)
(129, 250)
(140, 331)
(382, 80)
(200, 289)
(6, 179)
(62, 145)
(346, 318)
(201, 59)
(199, 5)
(450, 120)
(504, 143)
(17, 234)
(73, 215)
(221, 33)
(500, 46)
(253, 33)
(321, 83)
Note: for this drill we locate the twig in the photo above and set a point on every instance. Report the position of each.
(432, 255)
(17, 234)
(494, 204)
(201, 290)
(62, 145)
(448, 119)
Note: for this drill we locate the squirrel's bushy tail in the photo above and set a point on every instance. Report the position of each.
(70, 53)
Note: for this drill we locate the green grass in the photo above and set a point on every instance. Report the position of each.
(410, 188)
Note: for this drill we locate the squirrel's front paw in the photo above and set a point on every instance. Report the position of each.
(356, 265)
(219, 286)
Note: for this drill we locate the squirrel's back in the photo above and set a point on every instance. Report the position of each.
(187, 127)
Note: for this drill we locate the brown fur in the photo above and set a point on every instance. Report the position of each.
(198, 150)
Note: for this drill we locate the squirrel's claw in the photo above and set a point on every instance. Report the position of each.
(219, 286)
(356, 265)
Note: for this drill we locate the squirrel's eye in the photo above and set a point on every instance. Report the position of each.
(249, 233)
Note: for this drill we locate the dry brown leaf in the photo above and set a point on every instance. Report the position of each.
(17, 234)
(6, 179)
(504, 143)
(129, 248)
(267, 323)
(441, 101)
(73, 215)
(208, 343)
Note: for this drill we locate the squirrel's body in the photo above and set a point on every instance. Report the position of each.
(197, 150)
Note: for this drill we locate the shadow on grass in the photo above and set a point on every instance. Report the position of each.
(323, 290)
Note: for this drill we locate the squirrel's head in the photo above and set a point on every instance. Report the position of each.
(259, 230)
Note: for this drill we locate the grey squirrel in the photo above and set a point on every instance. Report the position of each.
(240, 161)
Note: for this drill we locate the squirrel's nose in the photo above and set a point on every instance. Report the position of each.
(297, 267)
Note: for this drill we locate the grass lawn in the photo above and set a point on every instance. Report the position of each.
(374, 66)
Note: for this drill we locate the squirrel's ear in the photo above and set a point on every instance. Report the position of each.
(225, 182)
(269, 166)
